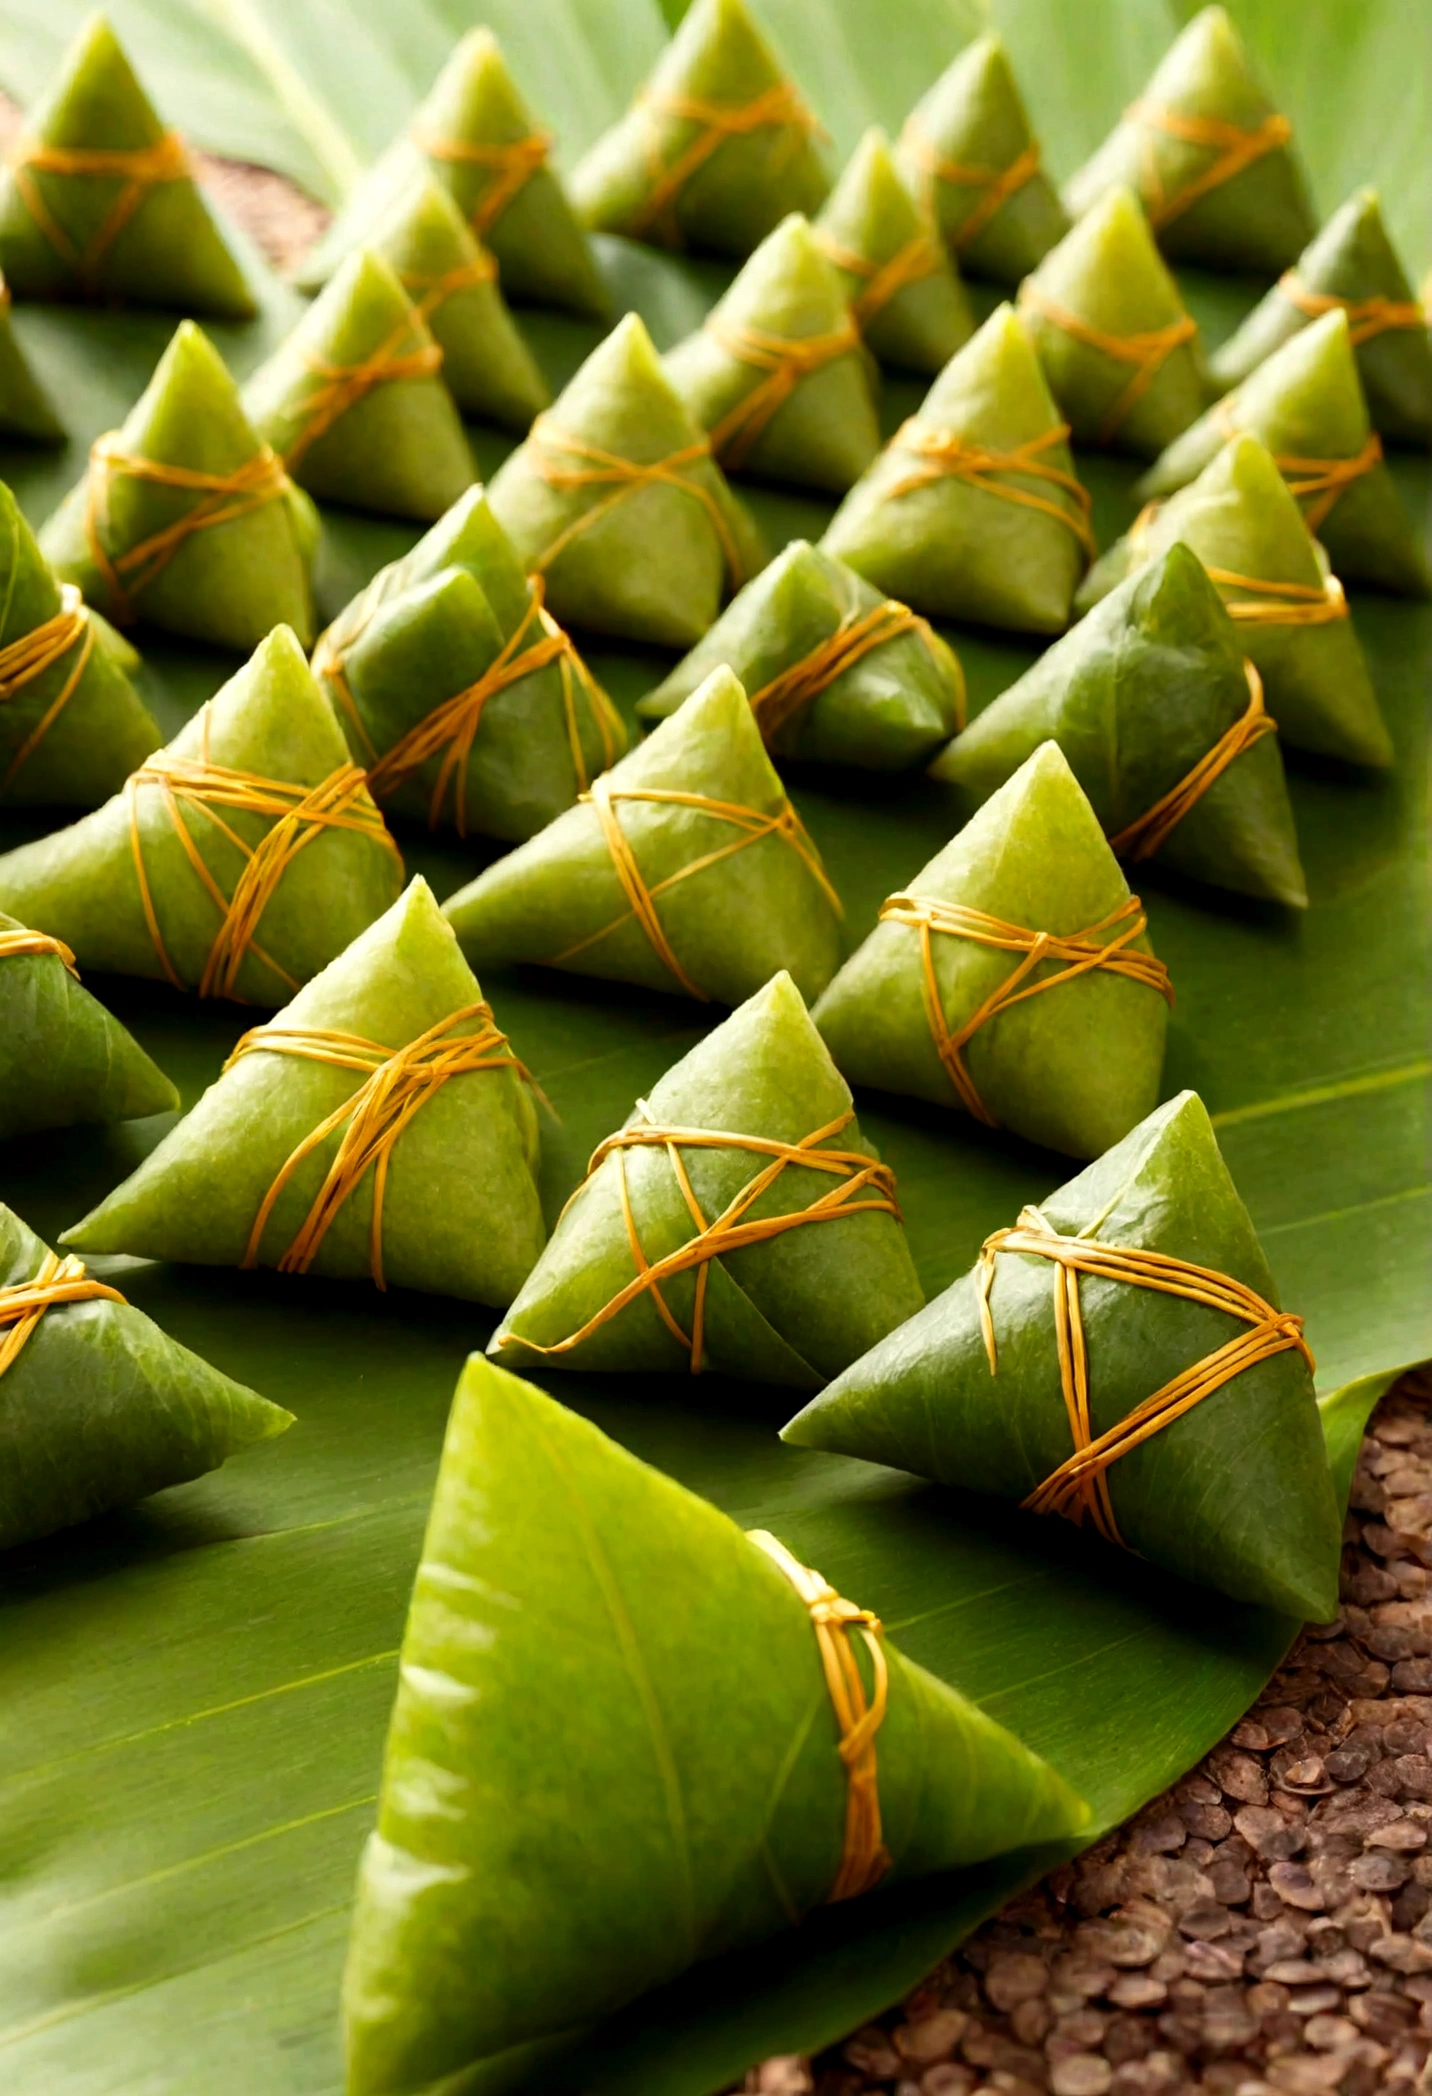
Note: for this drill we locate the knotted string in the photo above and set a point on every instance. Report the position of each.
(751, 827)
(1266, 602)
(138, 170)
(28, 658)
(221, 498)
(856, 1175)
(920, 257)
(431, 292)
(298, 814)
(784, 360)
(1366, 317)
(512, 164)
(23, 1304)
(1147, 351)
(1233, 148)
(1141, 838)
(996, 185)
(548, 445)
(341, 386)
(1317, 483)
(1072, 954)
(1079, 1488)
(864, 1857)
(397, 1084)
(788, 695)
(779, 108)
(940, 454)
(18, 942)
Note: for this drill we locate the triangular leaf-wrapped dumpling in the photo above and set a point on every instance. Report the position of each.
(974, 162)
(72, 726)
(1119, 351)
(1175, 1302)
(777, 376)
(1353, 264)
(716, 149)
(476, 136)
(972, 510)
(379, 1127)
(185, 519)
(237, 861)
(354, 401)
(459, 692)
(99, 201)
(1162, 721)
(616, 500)
(711, 1806)
(25, 410)
(98, 1406)
(835, 672)
(452, 280)
(63, 1058)
(751, 1262)
(1209, 156)
(685, 869)
(904, 288)
(1307, 405)
(949, 1000)
(1292, 618)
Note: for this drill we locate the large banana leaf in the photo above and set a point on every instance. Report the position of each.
(193, 1695)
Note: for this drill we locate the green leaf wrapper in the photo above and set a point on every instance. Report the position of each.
(1241, 520)
(25, 408)
(1235, 1494)
(460, 1213)
(140, 231)
(82, 883)
(229, 583)
(73, 731)
(1136, 696)
(792, 1308)
(508, 1898)
(932, 525)
(881, 710)
(762, 904)
(904, 287)
(452, 279)
(974, 162)
(625, 549)
(1233, 197)
(395, 444)
(63, 1058)
(1306, 403)
(437, 633)
(100, 1408)
(1074, 1067)
(476, 136)
(663, 173)
(777, 376)
(1352, 260)
(1120, 353)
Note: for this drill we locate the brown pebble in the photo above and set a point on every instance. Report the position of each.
(931, 2038)
(1293, 1883)
(1082, 2074)
(1137, 1990)
(1267, 1833)
(1399, 1834)
(1014, 1977)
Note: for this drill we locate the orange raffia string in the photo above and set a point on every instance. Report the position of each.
(1366, 317)
(1079, 1488)
(341, 386)
(397, 1084)
(28, 658)
(783, 361)
(25, 1303)
(1141, 838)
(1265, 602)
(297, 815)
(138, 170)
(995, 185)
(786, 697)
(1072, 954)
(1317, 483)
(864, 1857)
(512, 163)
(1233, 148)
(18, 942)
(221, 499)
(919, 258)
(1147, 352)
(780, 108)
(548, 446)
(751, 827)
(430, 293)
(940, 454)
(863, 1186)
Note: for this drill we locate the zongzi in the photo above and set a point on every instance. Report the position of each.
(63, 1058)
(25, 409)
(904, 288)
(684, 869)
